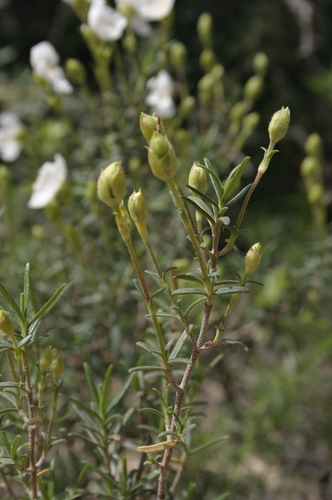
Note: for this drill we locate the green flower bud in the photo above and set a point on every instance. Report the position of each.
(204, 29)
(253, 258)
(186, 106)
(310, 167)
(250, 122)
(76, 71)
(237, 112)
(46, 360)
(314, 146)
(315, 193)
(161, 156)
(122, 220)
(57, 365)
(253, 88)
(207, 60)
(111, 186)
(260, 63)
(149, 124)
(178, 55)
(6, 324)
(129, 42)
(37, 232)
(137, 206)
(218, 71)
(4, 181)
(134, 164)
(279, 125)
(198, 178)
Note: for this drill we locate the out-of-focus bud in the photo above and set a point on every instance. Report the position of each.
(161, 156)
(260, 63)
(253, 258)
(314, 146)
(129, 42)
(207, 60)
(37, 232)
(137, 206)
(91, 190)
(76, 71)
(178, 55)
(4, 181)
(150, 124)
(205, 88)
(204, 29)
(186, 106)
(6, 324)
(111, 186)
(46, 360)
(198, 178)
(315, 193)
(57, 365)
(250, 122)
(310, 167)
(237, 112)
(279, 125)
(218, 71)
(253, 88)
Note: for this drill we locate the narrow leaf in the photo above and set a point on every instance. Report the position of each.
(207, 445)
(201, 207)
(203, 196)
(189, 291)
(231, 289)
(50, 303)
(197, 278)
(240, 195)
(153, 410)
(217, 185)
(180, 343)
(12, 302)
(119, 395)
(105, 389)
(26, 289)
(234, 178)
(146, 369)
(236, 342)
(91, 382)
(186, 361)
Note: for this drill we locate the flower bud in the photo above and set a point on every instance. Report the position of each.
(149, 124)
(237, 112)
(206, 88)
(123, 222)
(314, 146)
(129, 42)
(204, 29)
(76, 71)
(37, 232)
(315, 193)
(186, 106)
(198, 178)
(207, 60)
(6, 324)
(57, 365)
(218, 71)
(279, 125)
(310, 167)
(137, 206)
(161, 156)
(253, 258)
(253, 88)
(260, 63)
(178, 55)
(111, 186)
(45, 360)
(250, 122)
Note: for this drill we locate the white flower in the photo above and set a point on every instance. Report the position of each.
(44, 60)
(147, 10)
(10, 126)
(160, 95)
(51, 176)
(106, 22)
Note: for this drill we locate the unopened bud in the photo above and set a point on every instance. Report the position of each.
(161, 156)
(178, 55)
(279, 125)
(198, 178)
(207, 60)
(111, 186)
(315, 193)
(260, 63)
(253, 88)
(204, 29)
(150, 124)
(250, 122)
(237, 112)
(6, 324)
(314, 146)
(218, 71)
(45, 360)
(57, 365)
(253, 258)
(186, 106)
(76, 71)
(310, 167)
(122, 220)
(137, 206)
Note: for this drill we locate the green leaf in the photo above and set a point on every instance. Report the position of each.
(9, 384)
(107, 478)
(153, 410)
(223, 496)
(189, 428)
(236, 342)
(186, 361)
(25, 340)
(207, 445)
(146, 369)
(201, 207)
(150, 349)
(233, 179)
(105, 389)
(30, 422)
(91, 383)
(239, 195)
(8, 410)
(189, 291)
(255, 282)
(145, 480)
(139, 288)
(158, 292)
(198, 301)
(197, 278)
(26, 289)
(231, 289)
(180, 344)
(50, 303)
(81, 405)
(216, 182)
(4, 441)
(203, 196)
(166, 433)
(12, 303)
(119, 395)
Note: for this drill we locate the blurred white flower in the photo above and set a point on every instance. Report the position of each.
(44, 60)
(51, 176)
(159, 98)
(106, 22)
(10, 127)
(147, 10)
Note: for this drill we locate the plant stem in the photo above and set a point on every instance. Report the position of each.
(31, 430)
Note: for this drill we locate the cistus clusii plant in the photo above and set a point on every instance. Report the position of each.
(179, 339)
